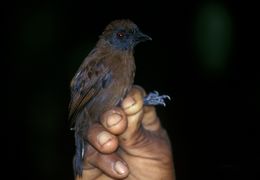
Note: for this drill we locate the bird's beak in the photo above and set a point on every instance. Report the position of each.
(141, 37)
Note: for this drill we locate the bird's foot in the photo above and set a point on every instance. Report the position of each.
(153, 98)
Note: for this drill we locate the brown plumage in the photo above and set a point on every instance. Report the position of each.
(103, 80)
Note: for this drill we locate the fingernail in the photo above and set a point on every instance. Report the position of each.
(113, 119)
(120, 168)
(103, 138)
(128, 102)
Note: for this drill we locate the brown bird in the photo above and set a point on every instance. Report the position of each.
(103, 80)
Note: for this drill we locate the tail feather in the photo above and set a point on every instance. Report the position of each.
(79, 155)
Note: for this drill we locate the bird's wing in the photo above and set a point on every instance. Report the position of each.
(88, 81)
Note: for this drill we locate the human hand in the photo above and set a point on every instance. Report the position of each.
(129, 143)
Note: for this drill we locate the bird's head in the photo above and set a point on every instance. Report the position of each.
(123, 35)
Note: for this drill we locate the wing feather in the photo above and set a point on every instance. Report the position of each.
(86, 84)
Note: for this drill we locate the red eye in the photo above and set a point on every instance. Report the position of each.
(120, 34)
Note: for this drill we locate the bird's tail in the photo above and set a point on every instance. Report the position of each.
(79, 155)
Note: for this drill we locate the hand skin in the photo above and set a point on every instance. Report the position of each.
(129, 143)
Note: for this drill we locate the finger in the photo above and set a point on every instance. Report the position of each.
(133, 108)
(142, 91)
(114, 121)
(101, 139)
(150, 120)
(133, 103)
(110, 164)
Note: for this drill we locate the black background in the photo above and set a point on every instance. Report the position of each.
(212, 119)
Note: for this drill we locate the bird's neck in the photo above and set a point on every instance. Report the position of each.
(107, 47)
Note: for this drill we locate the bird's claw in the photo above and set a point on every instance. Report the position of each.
(154, 98)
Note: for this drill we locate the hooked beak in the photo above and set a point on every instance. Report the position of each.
(141, 37)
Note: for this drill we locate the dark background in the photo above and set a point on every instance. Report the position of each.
(209, 70)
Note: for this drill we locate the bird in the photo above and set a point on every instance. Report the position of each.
(103, 79)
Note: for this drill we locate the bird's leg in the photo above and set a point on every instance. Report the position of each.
(153, 98)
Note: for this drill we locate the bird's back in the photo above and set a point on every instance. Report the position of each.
(102, 81)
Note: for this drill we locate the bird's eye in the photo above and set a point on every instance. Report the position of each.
(120, 34)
